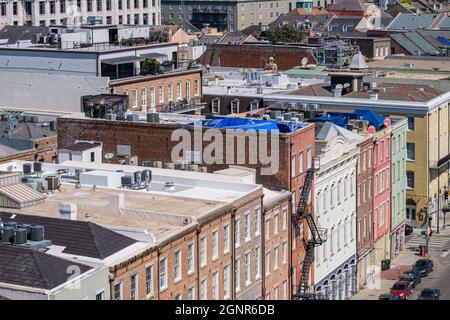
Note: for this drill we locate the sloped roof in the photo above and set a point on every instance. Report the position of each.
(349, 5)
(81, 146)
(25, 267)
(303, 12)
(28, 131)
(79, 237)
(21, 193)
(329, 131)
(410, 21)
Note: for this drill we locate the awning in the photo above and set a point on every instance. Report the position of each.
(154, 55)
(119, 60)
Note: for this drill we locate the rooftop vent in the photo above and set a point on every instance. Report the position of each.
(373, 96)
(169, 186)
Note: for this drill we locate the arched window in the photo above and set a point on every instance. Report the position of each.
(332, 195)
(144, 99)
(346, 231)
(351, 183)
(339, 191)
(170, 91)
(317, 204)
(152, 97)
(134, 98)
(338, 238)
(325, 198)
(332, 239)
(346, 187)
(188, 90)
(352, 227)
(179, 89)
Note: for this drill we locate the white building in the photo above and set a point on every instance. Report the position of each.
(335, 208)
(44, 13)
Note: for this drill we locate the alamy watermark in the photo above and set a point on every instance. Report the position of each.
(231, 147)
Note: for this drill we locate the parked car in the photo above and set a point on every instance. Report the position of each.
(423, 267)
(387, 296)
(402, 289)
(408, 229)
(411, 276)
(429, 294)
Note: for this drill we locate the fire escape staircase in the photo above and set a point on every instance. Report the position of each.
(317, 237)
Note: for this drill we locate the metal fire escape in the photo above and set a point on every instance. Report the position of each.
(316, 236)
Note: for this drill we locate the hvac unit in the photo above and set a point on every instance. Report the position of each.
(146, 163)
(137, 177)
(146, 175)
(36, 233)
(11, 224)
(126, 180)
(24, 226)
(287, 116)
(52, 182)
(27, 168)
(153, 117)
(21, 236)
(133, 117)
(37, 166)
(7, 234)
(111, 116)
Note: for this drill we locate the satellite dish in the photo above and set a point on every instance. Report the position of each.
(10, 168)
(339, 86)
(304, 61)
(346, 85)
(109, 156)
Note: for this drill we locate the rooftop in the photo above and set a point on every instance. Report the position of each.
(25, 267)
(81, 146)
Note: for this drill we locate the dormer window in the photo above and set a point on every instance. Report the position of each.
(235, 106)
(215, 105)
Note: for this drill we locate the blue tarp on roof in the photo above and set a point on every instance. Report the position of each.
(443, 41)
(248, 124)
(341, 118)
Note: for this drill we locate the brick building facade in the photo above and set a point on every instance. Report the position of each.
(156, 91)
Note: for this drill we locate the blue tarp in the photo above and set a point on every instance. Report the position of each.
(443, 41)
(248, 124)
(341, 118)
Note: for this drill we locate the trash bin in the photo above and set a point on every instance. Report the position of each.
(422, 251)
(385, 264)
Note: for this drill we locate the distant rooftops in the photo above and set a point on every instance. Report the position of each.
(82, 146)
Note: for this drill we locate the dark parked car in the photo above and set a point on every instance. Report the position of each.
(387, 296)
(411, 276)
(429, 294)
(401, 289)
(408, 229)
(423, 267)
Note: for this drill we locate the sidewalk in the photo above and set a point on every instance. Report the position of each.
(387, 278)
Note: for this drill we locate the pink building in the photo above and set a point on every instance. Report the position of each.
(381, 191)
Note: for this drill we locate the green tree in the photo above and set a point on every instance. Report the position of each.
(287, 33)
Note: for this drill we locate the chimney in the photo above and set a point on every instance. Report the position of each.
(68, 211)
(387, 122)
(371, 130)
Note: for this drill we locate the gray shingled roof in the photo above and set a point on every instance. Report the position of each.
(409, 21)
(25, 267)
(78, 237)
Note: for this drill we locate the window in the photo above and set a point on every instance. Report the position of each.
(191, 293)
(253, 105)
(152, 97)
(143, 98)
(332, 239)
(300, 162)
(99, 5)
(100, 295)
(284, 219)
(293, 161)
(178, 296)
(62, 7)
(41, 7)
(410, 151)
(275, 258)
(170, 90)
(309, 157)
(204, 289)
(226, 238)
(237, 274)
(215, 105)
(215, 285)
(257, 221)
(134, 98)
(258, 262)
(117, 294)
(92, 156)
(237, 238)
(108, 5)
(411, 123)
(215, 245)
(203, 254)
(235, 106)
(284, 252)
(247, 269)
(284, 290)
(226, 282)
(52, 7)
(179, 93)
(161, 93)
(247, 227)
(177, 265)
(267, 263)
(275, 223)
(163, 274)
(267, 231)
(275, 293)
(196, 88)
(190, 258)
(133, 287)
(149, 280)
(188, 90)
(410, 179)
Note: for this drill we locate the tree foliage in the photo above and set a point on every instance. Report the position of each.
(287, 33)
